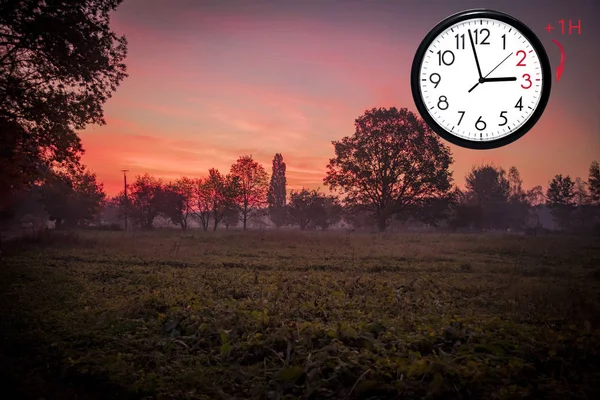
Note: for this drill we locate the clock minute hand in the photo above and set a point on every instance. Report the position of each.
(475, 54)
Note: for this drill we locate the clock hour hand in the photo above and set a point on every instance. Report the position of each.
(475, 54)
(503, 79)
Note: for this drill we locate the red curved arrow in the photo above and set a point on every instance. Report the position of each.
(561, 66)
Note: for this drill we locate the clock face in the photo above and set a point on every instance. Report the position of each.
(481, 82)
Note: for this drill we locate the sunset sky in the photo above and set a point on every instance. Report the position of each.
(212, 80)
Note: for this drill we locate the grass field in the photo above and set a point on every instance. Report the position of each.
(284, 315)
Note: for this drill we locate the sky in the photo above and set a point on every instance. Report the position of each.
(210, 81)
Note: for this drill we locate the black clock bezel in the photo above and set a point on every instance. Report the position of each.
(527, 33)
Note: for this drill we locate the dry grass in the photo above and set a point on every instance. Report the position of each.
(290, 315)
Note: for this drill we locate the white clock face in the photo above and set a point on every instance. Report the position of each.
(482, 103)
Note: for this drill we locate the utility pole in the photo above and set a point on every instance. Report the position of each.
(126, 199)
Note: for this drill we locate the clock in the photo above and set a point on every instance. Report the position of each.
(481, 79)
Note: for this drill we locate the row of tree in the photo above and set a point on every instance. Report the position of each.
(393, 169)
(241, 196)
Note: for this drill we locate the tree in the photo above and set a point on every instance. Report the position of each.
(560, 199)
(221, 193)
(73, 199)
(327, 211)
(276, 196)
(313, 209)
(178, 201)
(594, 183)
(488, 191)
(184, 187)
(253, 184)
(204, 202)
(146, 200)
(583, 213)
(59, 64)
(518, 204)
(393, 162)
(301, 206)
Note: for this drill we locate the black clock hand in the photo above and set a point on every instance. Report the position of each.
(484, 79)
(503, 79)
(475, 54)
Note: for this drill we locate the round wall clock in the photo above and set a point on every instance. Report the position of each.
(481, 79)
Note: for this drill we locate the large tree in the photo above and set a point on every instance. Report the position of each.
(59, 63)
(560, 199)
(253, 184)
(392, 163)
(276, 196)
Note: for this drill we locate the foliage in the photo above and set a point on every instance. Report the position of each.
(217, 197)
(278, 314)
(392, 162)
(72, 198)
(560, 199)
(276, 196)
(594, 183)
(253, 186)
(179, 201)
(313, 209)
(59, 64)
(145, 200)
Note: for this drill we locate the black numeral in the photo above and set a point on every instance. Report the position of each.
(505, 119)
(478, 124)
(519, 104)
(462, 114)
(485, 32)
(447, 57)
(437, 79)
(443, 103)
(460, 41)
(504, 42)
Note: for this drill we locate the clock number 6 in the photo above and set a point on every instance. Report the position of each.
(478, 122)
(527, 79)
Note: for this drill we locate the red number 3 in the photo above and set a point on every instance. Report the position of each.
(527, 79)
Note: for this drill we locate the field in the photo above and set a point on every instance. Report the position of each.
(285, 315)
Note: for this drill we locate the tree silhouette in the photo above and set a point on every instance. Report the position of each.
(253, 185)
(489, 189)
(184, 187)
(204, 202)
(391, 163)
(178, 201)
(221, 193)
(560, 199)
(146, 200)
(313, 209)
(59, 63)
(594, 183)
(72, 199)
(276, 196)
